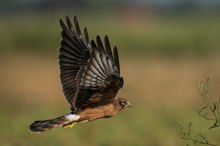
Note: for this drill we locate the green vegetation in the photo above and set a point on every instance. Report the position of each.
(141, 125)
(210, 111)
(160, 88)
(161, 35)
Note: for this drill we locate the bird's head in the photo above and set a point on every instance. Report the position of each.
(122, 103)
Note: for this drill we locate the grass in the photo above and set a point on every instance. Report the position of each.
(160, 100)
(134, 126)
(165, 35)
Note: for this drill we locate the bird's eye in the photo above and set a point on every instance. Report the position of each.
(123, 103)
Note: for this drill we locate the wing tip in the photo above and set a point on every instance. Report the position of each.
(75, 19)
(66, 16)
(61, 22)
(106, 37)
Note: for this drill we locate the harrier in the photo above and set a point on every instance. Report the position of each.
(90, 78)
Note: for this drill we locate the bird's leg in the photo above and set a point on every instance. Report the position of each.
(69, 125)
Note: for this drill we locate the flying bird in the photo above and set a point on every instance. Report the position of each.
(90, 78)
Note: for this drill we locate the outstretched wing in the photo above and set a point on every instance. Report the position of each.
(89, 72)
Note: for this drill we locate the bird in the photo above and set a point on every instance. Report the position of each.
(90, 78)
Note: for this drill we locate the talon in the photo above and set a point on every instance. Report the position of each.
(69, 125)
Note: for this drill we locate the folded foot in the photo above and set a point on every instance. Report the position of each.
(69, 125)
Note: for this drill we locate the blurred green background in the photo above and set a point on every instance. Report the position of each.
(165, 47)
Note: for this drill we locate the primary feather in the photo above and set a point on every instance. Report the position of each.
(86, 69)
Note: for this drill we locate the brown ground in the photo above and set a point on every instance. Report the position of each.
(150, 81)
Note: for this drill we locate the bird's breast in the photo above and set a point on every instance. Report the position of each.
(94, 113)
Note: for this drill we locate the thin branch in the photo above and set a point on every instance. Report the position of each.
(186, 134)
(211, 108)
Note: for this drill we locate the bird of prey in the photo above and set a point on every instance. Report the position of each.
(90, 78)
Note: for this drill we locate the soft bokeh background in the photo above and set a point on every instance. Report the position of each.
(165, 47)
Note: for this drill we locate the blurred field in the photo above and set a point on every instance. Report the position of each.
(161, 60)
(162, 94)
(149, 34)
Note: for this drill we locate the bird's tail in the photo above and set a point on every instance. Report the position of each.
(43, 125)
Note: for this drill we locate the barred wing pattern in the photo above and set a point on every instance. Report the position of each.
(89, 72)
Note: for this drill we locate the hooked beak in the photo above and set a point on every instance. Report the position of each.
(128, 104)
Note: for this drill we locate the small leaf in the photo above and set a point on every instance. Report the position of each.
(214, 125)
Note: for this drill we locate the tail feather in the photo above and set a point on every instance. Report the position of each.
(43, 125)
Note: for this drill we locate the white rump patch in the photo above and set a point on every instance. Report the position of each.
(72, 117)
(84, 121)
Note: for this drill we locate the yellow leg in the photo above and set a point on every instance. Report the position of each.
(69, 125)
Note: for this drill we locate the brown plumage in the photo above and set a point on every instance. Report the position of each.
(90, 77)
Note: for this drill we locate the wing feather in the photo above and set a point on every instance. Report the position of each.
(99, 62)
(86, 35)
(69, 25)
(116, 58)
(100, 45)
(98, 68)
(77, 27)
(104, 62)
(108, 47)
(89, 72)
